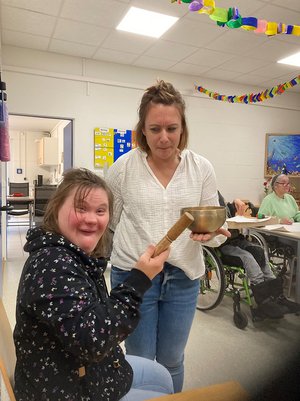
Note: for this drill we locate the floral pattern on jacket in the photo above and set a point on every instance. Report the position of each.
(65, 320)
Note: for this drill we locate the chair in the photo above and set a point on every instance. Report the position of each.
(7, 355)
(42, 194)
(20, 208)
(222, 278)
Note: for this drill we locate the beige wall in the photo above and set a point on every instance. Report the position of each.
(231, 136)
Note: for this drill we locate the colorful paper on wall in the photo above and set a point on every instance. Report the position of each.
(110, 144)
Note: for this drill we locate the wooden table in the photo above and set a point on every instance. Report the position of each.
(228, 391)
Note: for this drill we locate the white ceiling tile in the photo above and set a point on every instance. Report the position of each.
(19, 20)
(25, 40)
(170, 50)
(114, 56)
(236, 41)
(191, 33)
(194, 45)
(288, 4)
(189, 69)
(218, 73)
(153, 63)
(274, 13)
(72, 49)
(243, 64)
(95, 12)
(273, 50)
(275, 70)
(79, 32)
(208, 57)
(47, 7)
(133, 43)
(159, 6)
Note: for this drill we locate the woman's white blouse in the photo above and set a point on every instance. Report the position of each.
(144, 210)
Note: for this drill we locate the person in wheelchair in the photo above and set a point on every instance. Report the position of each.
(279, 202)
(267, 289)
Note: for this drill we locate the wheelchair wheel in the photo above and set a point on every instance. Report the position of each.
(213, 283)
(240, 319)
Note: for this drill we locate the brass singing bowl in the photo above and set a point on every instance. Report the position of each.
(207, 219)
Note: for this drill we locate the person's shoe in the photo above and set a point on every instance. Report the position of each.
(292, 307)
(270, 309)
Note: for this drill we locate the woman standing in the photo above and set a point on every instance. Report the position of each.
(151, 184)
(68, 329)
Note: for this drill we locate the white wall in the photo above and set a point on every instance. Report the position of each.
(98, 94)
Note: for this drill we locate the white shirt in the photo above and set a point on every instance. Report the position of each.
(144, 210)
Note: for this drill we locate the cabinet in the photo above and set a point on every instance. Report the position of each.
(48, 151)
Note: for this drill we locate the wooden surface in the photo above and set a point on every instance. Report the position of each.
(7, 351)
(7, 347)
(228, 391)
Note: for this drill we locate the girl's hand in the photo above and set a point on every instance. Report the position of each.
(151, 266)
(208, 236)
(285, 220)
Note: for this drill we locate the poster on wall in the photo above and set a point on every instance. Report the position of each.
(282, 154)
(110, 144)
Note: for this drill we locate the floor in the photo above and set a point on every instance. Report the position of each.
(217, 351)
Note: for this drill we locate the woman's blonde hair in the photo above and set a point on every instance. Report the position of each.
(83, 180)
(161, 93)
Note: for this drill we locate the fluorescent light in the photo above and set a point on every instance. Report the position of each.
(144, 22)
(291, 60)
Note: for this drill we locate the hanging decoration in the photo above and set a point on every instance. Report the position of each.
(4, 132)
(251, 98)
(232, 19)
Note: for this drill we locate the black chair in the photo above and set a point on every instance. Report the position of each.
(18, 190)
(42, 194)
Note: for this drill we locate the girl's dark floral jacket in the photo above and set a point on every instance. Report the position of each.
(68, 329)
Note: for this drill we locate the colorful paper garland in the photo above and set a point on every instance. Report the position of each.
(232, 19)
(251, 98)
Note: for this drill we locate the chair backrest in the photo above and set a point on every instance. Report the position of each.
(19, 187)
(7, 354)
(42, 194)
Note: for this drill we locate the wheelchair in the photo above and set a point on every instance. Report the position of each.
(281, 256)
(224, 276)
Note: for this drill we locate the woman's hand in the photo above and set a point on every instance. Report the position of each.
(208, 236)
(286, 220)
(150, 265)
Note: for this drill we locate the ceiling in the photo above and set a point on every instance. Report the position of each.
(195, 45)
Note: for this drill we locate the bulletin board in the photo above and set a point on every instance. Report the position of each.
(110, 144)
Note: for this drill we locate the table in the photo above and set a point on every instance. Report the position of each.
(294, 237)
(24, 200)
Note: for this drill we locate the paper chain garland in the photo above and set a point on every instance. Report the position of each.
(251, 98)
(232, 19)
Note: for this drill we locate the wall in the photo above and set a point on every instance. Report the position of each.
(231, 136)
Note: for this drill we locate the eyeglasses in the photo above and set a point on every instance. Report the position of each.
(285, 184)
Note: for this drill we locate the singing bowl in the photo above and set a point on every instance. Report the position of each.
(207, 219)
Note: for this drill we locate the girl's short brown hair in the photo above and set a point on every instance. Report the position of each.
(83, 180)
